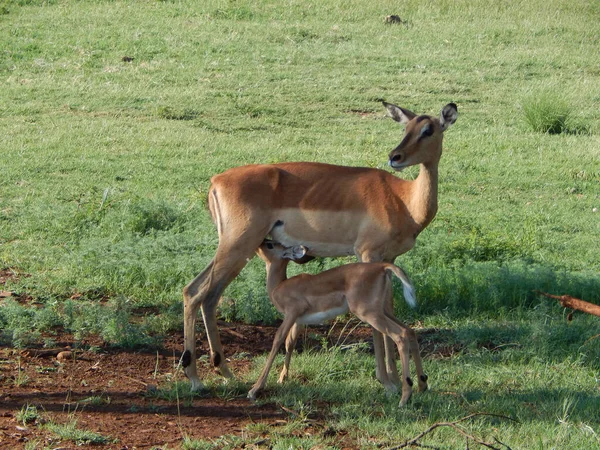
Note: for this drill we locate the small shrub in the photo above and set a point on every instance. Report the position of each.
(16, 321)
(253, 306)
(118, 330)
(113, 322)
(547, 112)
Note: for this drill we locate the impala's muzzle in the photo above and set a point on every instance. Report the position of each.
(396, 160)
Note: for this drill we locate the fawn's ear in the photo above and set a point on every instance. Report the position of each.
(295, 253)
(448, 115)
(303, 259)
(399, 114)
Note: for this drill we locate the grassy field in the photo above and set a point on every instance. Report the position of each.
(115, 114)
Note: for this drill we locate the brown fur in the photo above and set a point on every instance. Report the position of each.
(332, 210)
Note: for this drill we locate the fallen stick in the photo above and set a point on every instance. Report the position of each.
(574, 303)
(414, 442)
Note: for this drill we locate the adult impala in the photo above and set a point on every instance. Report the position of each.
(332, 210)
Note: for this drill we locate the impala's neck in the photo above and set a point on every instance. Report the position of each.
(276, 274)
(423, 204)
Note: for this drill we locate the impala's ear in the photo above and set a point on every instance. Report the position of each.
(399, 114)
(297, 252)
(448, 115)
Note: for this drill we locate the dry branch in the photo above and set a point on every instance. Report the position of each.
(414, 442)
(574, 303)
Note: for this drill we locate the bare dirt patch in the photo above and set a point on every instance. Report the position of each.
(110, 392)
(113, 392)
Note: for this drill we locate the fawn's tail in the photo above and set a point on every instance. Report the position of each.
(409, 290)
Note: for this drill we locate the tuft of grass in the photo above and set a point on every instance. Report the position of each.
(96, 400)
(21, 378)
(70, 432)
(169, 113)
(546, 112)
(146, 216)
(32, 445)
(227, 442)
(27, 414)
(551, 111)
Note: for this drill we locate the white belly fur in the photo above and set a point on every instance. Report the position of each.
(322, 316)
(324, 233)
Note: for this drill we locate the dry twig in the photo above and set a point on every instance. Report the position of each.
(414, 442)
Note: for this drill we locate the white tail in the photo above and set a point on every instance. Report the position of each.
(408, 289)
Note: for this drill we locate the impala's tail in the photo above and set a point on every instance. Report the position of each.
(409, 290)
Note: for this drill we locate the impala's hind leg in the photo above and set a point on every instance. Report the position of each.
(204, 292)
(383, 346)
(416, 354)
(191, 304)
(401, 335)
(397, 333)
(290, 344)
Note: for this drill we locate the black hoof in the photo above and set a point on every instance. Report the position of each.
(186, 358)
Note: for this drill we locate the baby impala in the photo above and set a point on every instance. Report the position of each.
(365, 289)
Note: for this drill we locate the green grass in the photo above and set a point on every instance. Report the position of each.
(549, 110)
(106, 162)
(533, 377)
(70, 432)
(27, 414)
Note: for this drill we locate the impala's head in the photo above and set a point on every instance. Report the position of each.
(273, 252)
(422, 142)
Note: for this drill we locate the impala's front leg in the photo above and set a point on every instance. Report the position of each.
(280, 336)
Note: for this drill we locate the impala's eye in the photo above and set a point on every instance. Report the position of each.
(427, 130)
(270, 246)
